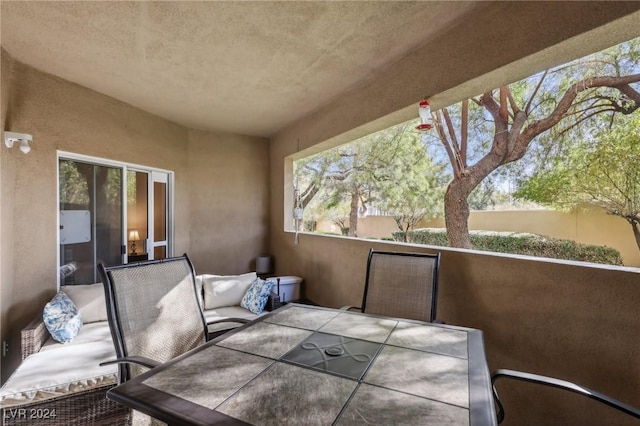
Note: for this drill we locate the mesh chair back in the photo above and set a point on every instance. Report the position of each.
(402, 285)
(153, 310)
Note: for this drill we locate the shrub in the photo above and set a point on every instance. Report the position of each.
(399, 236)
(523, 243)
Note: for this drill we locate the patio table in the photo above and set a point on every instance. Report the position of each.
(306, 364)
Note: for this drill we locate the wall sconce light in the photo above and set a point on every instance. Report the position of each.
(24, 138)
(134, 236)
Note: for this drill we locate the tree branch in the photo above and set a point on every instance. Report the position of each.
(630, 93)
(452, 134)
(513, 104)
(527, 108)
(504, 113)
(464, 132)
(500, 142)
(457, 171)
(584, 118)
(309, 193)
(540, 126)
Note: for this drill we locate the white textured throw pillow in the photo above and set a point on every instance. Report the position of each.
(225, 290)
(89, 299)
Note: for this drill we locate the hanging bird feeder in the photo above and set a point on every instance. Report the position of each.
(425, 116)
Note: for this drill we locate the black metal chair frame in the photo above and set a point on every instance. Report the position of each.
(123, 360)
(560, 384)
(434, 283)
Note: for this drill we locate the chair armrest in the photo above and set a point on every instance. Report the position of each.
(33, 336)
(140, 360)
(351, 308)
(560, 384)
(213, 334)
(241, 320)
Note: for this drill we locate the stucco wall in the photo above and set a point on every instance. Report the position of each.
(67, 117)
(571, 321)
(229, 197)
(584, 225)
(555, 318)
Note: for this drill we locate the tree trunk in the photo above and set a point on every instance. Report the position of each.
(636, 232)
(456, 214)
(353, 214)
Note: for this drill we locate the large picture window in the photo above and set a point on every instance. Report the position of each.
(547, 166)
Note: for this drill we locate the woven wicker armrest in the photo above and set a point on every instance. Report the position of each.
(33, 336)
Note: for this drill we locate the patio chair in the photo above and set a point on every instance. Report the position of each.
(154, 313)
(401, 285)
(556, 383)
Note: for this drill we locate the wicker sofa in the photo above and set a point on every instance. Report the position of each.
(62, 384)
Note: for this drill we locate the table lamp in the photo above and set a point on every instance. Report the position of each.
(263, 265)
(133, 236)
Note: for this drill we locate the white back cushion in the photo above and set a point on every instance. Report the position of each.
(225, 290)
(90, 301)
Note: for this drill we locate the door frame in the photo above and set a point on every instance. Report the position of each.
(124, 166)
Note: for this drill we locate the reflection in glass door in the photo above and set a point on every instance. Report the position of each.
(137, 215)
(91, 219)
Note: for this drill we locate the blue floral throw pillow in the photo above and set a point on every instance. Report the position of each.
(256, 297)
(62, 319)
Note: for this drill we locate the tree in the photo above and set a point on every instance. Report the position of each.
(368, 170)
(415, 187)
(604, 173)
(507, 120)
(486, 195)
(339, 216)
(311, 173)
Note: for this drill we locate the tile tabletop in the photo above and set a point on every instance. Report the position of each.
(360, 326)
(310, 365)
(431, 339)
(309, 319)
(209, 387)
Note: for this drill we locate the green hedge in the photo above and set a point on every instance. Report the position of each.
(520, 243)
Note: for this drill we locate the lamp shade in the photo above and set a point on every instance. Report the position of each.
(133, 235)
(263, 264)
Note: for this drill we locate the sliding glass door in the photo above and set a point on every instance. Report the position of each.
(110, 213)
(90, 219)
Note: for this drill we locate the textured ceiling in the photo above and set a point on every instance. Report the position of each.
(245, 67)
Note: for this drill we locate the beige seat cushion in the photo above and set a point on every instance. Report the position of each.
(90, 301)
(225, 290)
(59, 369)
